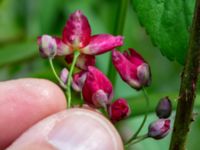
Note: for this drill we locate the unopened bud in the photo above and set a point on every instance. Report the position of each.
(47, 46)
(119, 110)
(64, 75)
(164, 108)
(79, 80)
(159, 129)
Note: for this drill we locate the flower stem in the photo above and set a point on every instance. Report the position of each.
(137, 140)
(144, 119)
(76, 54)
(118, 30)
(55, 74)
(187, 93)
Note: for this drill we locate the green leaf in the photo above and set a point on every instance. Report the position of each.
(168, 24)
(9, 27)
(17, 52)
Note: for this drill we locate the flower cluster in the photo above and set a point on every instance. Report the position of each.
(79, 49)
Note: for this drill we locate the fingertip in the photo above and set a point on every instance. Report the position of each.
(23, 103)
(71, 129)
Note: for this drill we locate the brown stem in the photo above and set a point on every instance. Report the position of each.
(187, 92)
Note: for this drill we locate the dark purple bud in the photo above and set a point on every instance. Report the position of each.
(164, 108)
(159, 129)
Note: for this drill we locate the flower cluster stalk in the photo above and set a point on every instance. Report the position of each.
(76, 54)
(135, 136)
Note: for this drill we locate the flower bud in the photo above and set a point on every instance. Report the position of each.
(79, 80)
(64, 75)
(47, 46)
(132, 68)
(119, 110)
(159, 129)
(164, 108)
(97, 90)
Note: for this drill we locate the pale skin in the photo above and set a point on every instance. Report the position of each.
(40, 106)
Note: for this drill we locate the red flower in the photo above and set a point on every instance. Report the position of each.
(119, 110)
(77, 36)
(97, 90)
(132, 68)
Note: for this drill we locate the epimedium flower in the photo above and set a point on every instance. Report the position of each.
(76, 36)
(119, 110)
(159, 128)
(132, 68)
(97, 90)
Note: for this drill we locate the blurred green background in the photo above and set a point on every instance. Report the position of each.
(21, 21)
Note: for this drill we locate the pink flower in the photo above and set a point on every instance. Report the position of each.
(83, 61)
(77, 36)
(159, 129)
(132, 68)
(79, 80)
(119, 110)
(97, 90)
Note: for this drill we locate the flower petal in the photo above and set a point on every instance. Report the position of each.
(62, 48)
(102, 43)
(77, 30)
(134, 57)
(83, 61)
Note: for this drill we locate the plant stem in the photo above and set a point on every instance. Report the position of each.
(76, 54)
(140, 138)
(187, 92)
(55, 74)
(144, 119)
(118, 30)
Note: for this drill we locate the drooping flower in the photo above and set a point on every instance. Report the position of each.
(83, 61)
(76, 36)
(132, 68)
(164, 108)
(97, 90)
(119, 110)
(47, 46)
(159, 128)
(79, 80)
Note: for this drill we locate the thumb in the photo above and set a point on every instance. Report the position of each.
(73, 129)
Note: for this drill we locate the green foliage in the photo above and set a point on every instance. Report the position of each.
(15, 52)
(168, 24)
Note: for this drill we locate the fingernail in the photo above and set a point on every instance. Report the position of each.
(82, 130)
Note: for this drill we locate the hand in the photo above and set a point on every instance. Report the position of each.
(25, 102)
